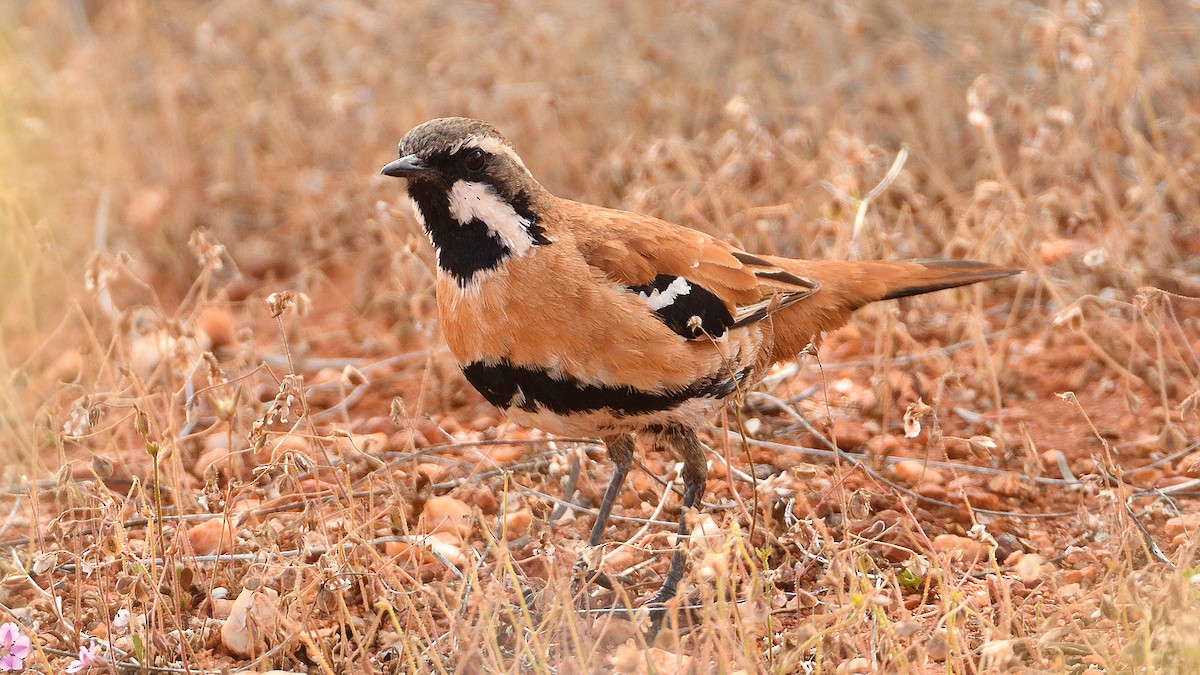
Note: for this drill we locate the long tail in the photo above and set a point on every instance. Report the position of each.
(846, 286)
(927, 276)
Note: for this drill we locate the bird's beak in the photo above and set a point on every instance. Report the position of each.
(409, 166)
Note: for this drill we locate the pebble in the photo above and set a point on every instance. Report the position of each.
(1190, 466)
(1006, 484)
(252, 618)
(1069, 591)
(361, 444)
(849, 435)
(1145, 477)
(217, 323)
(917, 472)
(932, 491)
(516, 523)
(968, 549)
(1031, 568)
(982, 499)
(1050, 459)
(937, 646)
(447, 514)
(858, 665)
(211, 536)
(1168, 481)
(1179, 524)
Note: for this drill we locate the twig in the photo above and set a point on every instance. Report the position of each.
(662, 502)
(793, 368)
(568, 490)
(858, 460)
(1151, 545)
(860, 214)
(292, 553)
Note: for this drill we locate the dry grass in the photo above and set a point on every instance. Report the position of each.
(167, 166)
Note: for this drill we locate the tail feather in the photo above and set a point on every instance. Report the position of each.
(848, 285)
(938, 275)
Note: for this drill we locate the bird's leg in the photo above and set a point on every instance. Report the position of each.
(695, 476)
(620, 451)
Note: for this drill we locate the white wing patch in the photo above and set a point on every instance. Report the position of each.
(470, 200)
(657, 299)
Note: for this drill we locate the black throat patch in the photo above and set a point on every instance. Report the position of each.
(465, 250)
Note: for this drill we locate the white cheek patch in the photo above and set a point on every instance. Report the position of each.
(479, 201)
(657, 299)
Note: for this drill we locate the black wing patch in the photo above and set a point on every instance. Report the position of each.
(685, 307)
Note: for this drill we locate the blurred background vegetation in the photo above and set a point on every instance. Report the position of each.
(126, 125)
(1062, 137)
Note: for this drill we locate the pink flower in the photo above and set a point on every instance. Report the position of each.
(14, 647)
(88, 657)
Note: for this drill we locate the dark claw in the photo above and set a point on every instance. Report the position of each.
(658, 612)
(584, 576)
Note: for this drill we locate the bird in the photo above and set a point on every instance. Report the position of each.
(582, 320)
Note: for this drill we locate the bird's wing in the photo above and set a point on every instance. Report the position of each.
(697, 285)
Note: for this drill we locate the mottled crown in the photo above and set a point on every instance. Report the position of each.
(448, 135)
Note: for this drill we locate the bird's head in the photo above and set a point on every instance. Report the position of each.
(473, 194)
(450, 150)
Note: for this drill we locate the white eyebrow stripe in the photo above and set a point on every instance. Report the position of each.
(470, 200)
(492, 145)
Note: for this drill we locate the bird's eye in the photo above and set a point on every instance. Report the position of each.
(475, 160)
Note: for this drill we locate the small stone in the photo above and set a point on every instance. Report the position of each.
(505, 453)
(996, 656)
(1172, 439)
(982, 499)
(211, 536)
(849, 435)
(932, 491)
(251, 622)
(1051, 459)
(937, 648)
(916, 472)
(1144, 478)
(858, 665)
(483, 498)
(630, 659)
(1006, 484)
(447, 514)
(1186, 524)
(1190, 466)
(516, 524)
(449, 546)
(1070, 591)
(1031, 568)
(217, 323)
(968, 550)
(482, 422)
(220, 608)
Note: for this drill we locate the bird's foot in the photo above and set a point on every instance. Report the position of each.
(585, 572)
(585, 575)
(663, 596)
